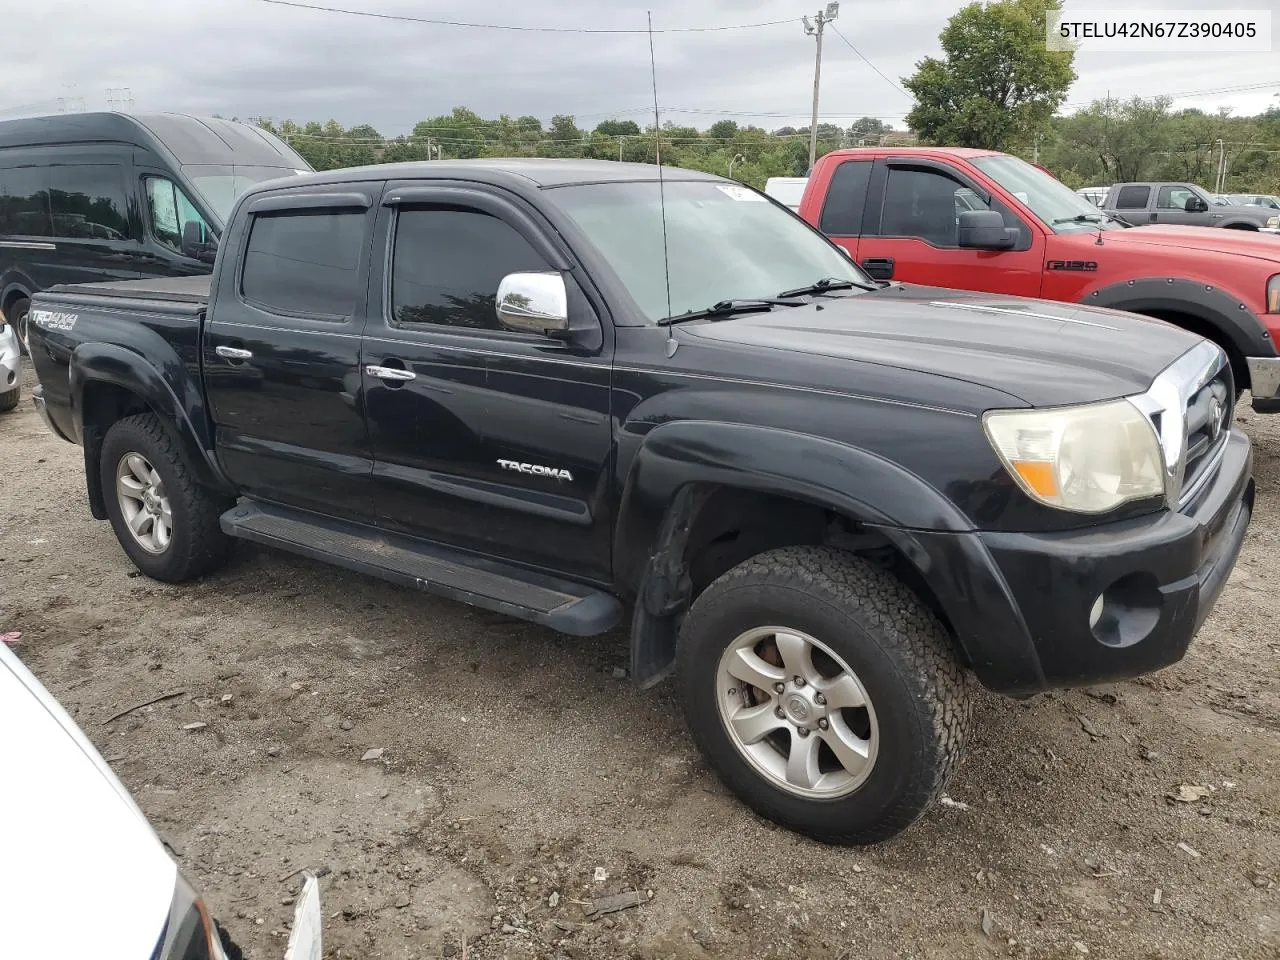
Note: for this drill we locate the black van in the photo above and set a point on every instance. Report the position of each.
(110, 196)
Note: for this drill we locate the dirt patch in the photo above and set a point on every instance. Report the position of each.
(515, 766)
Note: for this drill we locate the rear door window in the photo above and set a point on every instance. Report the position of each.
(24, 202)
(846, 199)
(87, 202)
(305, 263)
(1133, 198)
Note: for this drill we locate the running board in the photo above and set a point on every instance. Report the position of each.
(559, 604)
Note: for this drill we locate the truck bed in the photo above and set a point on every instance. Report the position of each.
(176, 289)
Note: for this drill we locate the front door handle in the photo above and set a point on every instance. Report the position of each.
(878, 268)
(389, 373)
(233, 353)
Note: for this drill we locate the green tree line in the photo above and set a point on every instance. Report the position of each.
(753, 153)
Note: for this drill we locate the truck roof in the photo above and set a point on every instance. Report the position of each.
(964, 153)
(535, 171)
(188, 138)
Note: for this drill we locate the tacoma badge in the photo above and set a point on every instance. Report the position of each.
(535, 469)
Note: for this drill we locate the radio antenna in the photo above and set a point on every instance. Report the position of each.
(662, 190)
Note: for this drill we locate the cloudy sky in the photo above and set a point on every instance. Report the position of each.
(252, 58)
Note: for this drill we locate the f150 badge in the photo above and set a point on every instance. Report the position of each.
(535, 469)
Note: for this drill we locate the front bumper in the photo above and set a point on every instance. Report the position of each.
(1159, 575)
(10, 358)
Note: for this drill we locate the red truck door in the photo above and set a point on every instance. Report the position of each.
(910, 229)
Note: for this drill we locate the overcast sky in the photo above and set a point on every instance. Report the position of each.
(249, 58)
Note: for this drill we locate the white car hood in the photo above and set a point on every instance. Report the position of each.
(82, 874)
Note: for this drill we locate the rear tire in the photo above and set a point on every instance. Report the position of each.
(856, 635)
(10, 399)
(19, 314)
(165, 521)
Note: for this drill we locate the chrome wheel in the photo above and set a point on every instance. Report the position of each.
(797, 713)
(143, 503)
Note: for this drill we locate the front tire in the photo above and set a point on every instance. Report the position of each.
(164, 520)
(19, 314)
(10, 398)
(824, 692)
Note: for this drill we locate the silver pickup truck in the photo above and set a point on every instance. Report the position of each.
(1187, 204)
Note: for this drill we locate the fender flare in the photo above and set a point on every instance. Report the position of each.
(681, 462)
(1239, 223)
(119, 366)
(1238, 325)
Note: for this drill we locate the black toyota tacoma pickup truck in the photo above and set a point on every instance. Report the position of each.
(564, 391)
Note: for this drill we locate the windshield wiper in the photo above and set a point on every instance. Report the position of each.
(1092, 218)
(825, 285)
(727, 308)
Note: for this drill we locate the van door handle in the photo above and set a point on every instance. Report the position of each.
(233, 353)
(389, 373)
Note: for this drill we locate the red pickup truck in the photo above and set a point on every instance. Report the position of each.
(978, 220)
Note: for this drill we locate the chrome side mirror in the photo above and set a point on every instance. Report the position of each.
(533, 303)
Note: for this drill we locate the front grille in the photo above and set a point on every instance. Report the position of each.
(1208, 416)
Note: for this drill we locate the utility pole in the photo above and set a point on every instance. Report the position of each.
(822, 18)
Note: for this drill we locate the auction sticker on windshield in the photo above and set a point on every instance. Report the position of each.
(740, 193)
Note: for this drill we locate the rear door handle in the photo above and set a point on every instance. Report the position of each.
(233, 353)
(389, 373)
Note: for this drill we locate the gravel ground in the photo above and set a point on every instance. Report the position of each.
(516, 768)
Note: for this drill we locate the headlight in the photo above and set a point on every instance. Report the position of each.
(189, 933)
(1273, 221)
(1086, 459)
(1273, 294)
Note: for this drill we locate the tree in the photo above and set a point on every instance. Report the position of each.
(997, 85)
(1124, 139)
(868, 130)
(618, 128)
(723, 130)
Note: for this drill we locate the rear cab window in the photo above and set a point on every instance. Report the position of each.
(305, 263)
(1133, 198)
(846, 199)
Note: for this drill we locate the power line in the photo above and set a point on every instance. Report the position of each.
(891, 83)
(521, 29)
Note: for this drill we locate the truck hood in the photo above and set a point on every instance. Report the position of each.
(1037, 351)
(82, 874)
(1197, 240)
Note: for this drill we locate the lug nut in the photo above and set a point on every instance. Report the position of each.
(780, 713)
(779, 688)
(799, 681)
(823, 723)
(820, 700)
(804, 731)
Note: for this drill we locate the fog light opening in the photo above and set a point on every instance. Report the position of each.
(1096, 613)
(1127, 611)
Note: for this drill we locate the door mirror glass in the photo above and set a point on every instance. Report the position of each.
(985, 230)
(533, 303)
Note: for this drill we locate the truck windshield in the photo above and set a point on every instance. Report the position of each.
(222, 183)
(1060, 207)
(725, 243)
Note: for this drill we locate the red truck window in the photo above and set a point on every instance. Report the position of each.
(846, 199)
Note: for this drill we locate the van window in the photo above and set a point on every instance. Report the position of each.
(305, 263)
(88, 202)
(24, 202)
(169, 210)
